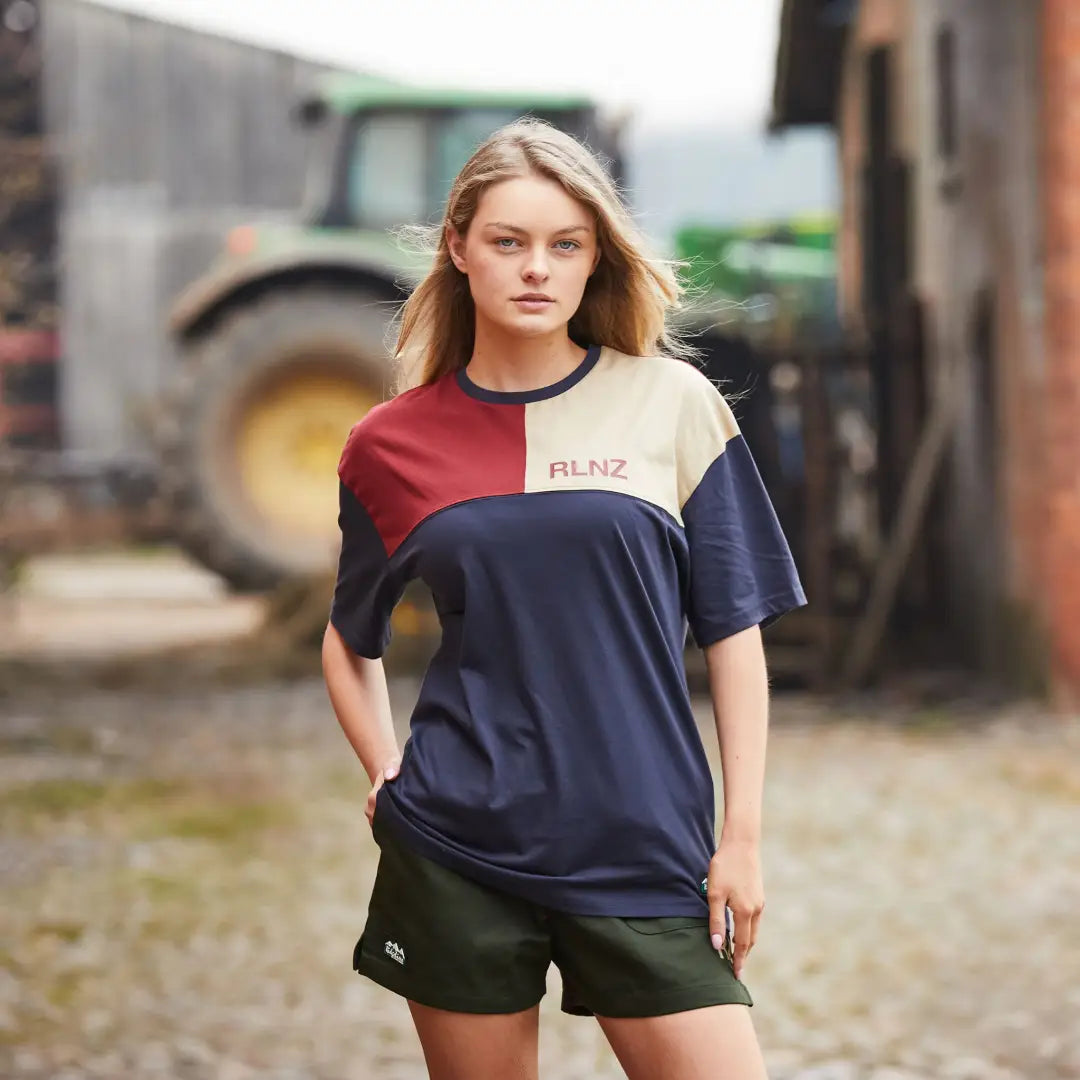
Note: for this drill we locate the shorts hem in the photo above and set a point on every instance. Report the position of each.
(450, 1002)
(681, 1000)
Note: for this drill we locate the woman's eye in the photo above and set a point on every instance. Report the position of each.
(573, 244)
(505, 242)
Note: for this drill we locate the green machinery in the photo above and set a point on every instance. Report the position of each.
(284, 339)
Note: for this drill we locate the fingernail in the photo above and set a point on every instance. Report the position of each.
(718, 942)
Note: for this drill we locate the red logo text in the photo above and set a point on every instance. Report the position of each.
(610, 467)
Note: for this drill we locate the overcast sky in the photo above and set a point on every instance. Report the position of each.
(674, 62)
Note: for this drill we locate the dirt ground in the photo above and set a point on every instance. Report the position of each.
(93, 607)
(186, 872)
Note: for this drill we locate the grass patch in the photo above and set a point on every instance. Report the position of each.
(150, 808)
(63, 990)
(66, 930)
(346, 781)
(57, 798)
(64, 740)
(160, 889)
(1051, 779)
(930, 720)
(172, 906)
(72, 740)
(223, 824)
(53, 798)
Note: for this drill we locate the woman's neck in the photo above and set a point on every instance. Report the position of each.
(509, 362)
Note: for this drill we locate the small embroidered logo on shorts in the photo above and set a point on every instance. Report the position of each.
(395, 952)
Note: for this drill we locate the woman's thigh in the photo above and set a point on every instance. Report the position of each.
(713, 1043)
(468, 1046)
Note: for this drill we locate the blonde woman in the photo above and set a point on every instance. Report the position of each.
(574, 494)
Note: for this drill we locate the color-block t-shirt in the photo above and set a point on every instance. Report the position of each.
(568, 535)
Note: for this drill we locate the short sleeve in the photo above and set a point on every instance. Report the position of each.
(367, 587)
(741, 570)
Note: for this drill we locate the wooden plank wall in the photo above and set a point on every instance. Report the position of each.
(165, 138)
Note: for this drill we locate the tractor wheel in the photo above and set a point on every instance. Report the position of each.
(251, 433)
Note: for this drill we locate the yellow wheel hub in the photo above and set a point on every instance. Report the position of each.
(288, 441)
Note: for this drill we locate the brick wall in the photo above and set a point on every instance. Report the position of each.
(1061, 158)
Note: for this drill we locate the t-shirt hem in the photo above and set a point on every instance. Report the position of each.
(358, 645)
(550, 893)
(764, 613)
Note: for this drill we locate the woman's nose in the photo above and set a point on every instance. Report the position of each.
(536, 269)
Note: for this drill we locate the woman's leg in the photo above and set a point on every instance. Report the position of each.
(713, 1043)
(471, 1046)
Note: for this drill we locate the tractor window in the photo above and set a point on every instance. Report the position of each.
(321, 142)
(460, 133)
(387, 171)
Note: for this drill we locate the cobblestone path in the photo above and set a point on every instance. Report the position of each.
(185, 876)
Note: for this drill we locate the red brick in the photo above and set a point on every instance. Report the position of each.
(1059, 516)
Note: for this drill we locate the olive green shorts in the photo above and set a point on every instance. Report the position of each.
(446, 941)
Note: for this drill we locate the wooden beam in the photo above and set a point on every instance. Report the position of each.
(914, 499)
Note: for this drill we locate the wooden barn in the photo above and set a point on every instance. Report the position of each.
(958, 261)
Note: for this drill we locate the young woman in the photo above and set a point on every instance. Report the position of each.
(575, 495)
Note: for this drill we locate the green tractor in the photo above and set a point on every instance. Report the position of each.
(284, 341)
(776, 276)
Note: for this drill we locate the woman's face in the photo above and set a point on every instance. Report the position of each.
(528, 254)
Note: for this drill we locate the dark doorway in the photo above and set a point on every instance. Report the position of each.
(986, 453)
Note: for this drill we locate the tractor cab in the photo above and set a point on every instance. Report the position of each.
(282, 342)
(385, 154)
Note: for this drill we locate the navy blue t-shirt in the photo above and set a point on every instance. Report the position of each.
(568, 535)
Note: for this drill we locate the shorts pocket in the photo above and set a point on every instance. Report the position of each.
(377, 814)
(664, 924)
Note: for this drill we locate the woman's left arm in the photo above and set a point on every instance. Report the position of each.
(739, 687)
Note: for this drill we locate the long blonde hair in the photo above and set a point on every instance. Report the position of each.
(626, 300)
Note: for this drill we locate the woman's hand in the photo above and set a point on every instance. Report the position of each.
(735, 882)
(387, 772)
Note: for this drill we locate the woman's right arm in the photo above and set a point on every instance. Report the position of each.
(361, 702)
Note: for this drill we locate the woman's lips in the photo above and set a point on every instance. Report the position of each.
(533, 305)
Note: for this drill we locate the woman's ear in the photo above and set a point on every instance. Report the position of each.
(455, 243)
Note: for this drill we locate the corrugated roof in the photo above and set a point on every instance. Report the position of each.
(343, 90)
(185, 18)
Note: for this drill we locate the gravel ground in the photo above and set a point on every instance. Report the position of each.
(186, 874)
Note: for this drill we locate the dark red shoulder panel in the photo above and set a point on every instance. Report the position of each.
(429, 449)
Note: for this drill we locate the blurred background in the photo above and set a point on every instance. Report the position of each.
(874, 205)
